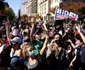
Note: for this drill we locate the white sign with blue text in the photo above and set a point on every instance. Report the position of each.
(61, 14)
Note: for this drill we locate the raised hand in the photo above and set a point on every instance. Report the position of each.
(32, 20)
(67, 30)
(71, 64)
(7, 23)
(69, 40)
(78, 27)
(44, 24)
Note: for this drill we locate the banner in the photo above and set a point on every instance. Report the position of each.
(61, 14)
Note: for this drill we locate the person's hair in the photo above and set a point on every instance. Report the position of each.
(26, 39)
(57, 34)
(83, 26)
(39, 31)
(24, 52)
(57, 41)
(78, 37)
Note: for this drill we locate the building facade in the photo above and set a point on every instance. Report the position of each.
(55, 3)
(24, 8)
(44, 6)
(29, 7)
(34, 6)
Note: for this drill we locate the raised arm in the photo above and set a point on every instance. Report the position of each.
(71, 64)
(7, 31)
(44, 24)
(81, 34)
(45, 30)
(44, 45)
(32, 30)
(12, 52)
(72, 44)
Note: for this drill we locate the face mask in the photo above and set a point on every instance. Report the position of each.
(77, 44)
(13, 45)
(31, 53)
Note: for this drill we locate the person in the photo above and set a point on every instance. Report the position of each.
(24, 47)
(14, 32)
(33, 62)
(80, 32)
(56, 36)
(14, 45)
(15, 52)
(79, 54)
(38, 40)
(2, 45)
(4, 54)
(57, 54)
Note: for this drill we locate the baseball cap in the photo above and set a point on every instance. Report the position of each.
(16, 40)
(15, 32)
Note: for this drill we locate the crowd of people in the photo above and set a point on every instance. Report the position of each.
(42, 46)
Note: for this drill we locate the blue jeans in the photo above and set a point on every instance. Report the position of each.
(16, 60)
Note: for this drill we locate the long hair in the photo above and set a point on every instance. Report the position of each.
(25, 52)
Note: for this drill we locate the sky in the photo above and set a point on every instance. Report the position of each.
(15, 5)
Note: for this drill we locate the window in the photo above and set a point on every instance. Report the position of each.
(40, 9)
(45, 8)
(51, 1)
(42, 1)
(56, 0)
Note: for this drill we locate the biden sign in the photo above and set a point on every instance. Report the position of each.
(61, 14)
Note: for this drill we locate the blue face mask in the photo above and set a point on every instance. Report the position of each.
(31, 53)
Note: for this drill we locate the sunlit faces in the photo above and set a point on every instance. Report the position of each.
(38, 36)
(78, 43)
(56, 37)
(30, 51)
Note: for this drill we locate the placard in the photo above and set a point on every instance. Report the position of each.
(61, 14)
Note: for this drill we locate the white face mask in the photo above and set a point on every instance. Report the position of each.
(60, 32)
(68, 51)
(77, 44)
(31, 53)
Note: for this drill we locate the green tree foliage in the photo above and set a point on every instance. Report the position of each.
(9, 12)
(37, 16)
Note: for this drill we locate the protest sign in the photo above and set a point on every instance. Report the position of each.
(61, 14)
